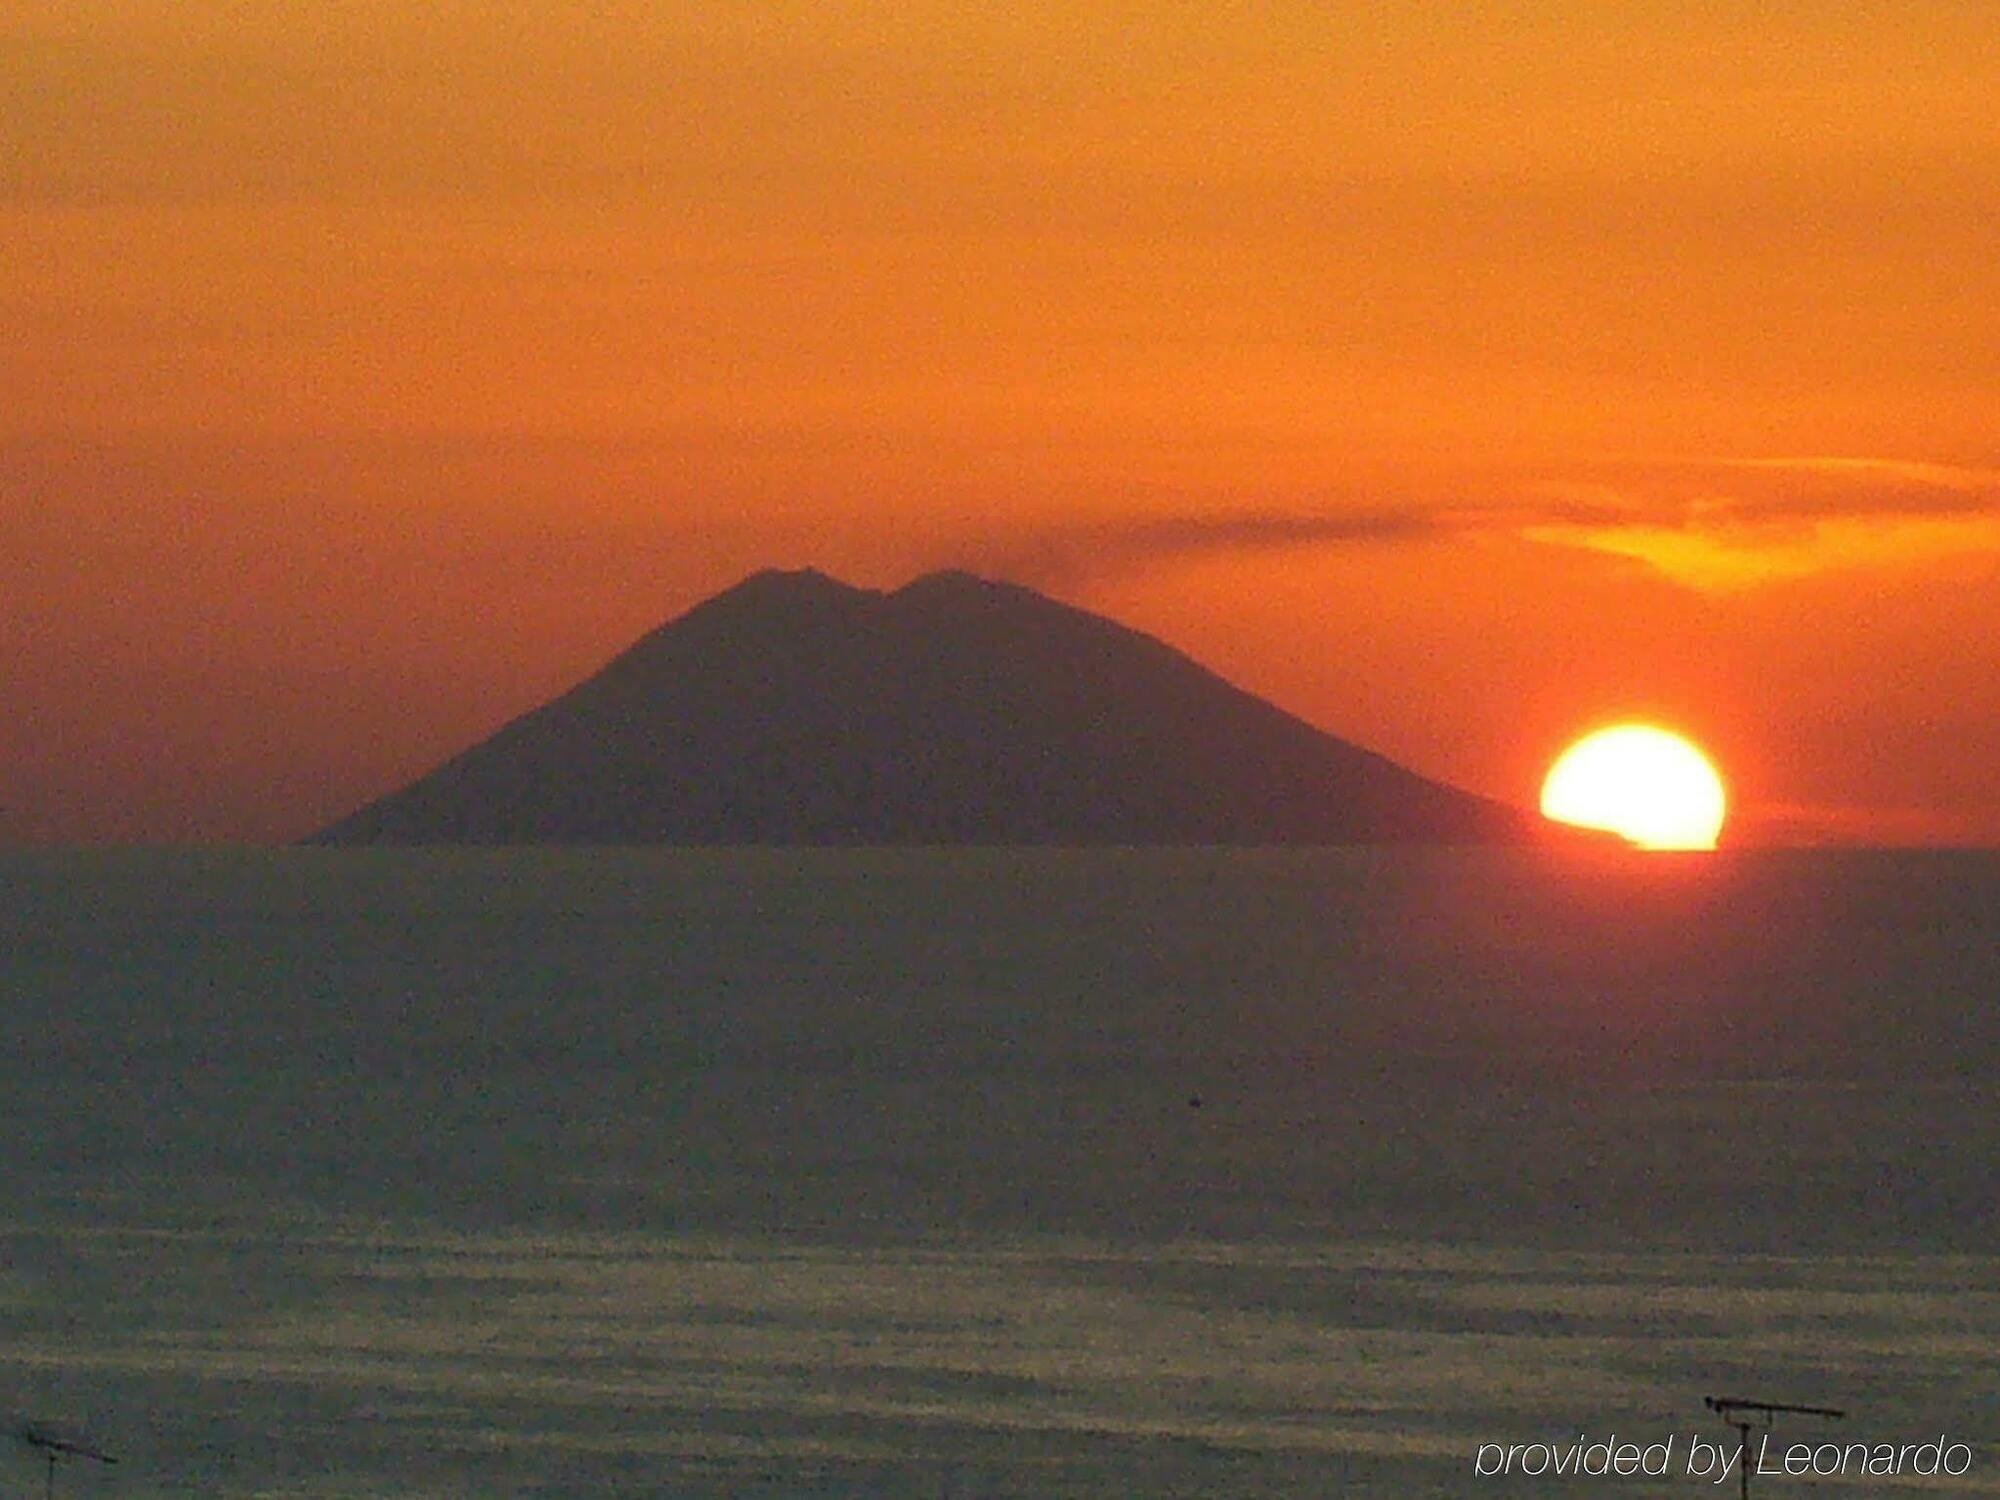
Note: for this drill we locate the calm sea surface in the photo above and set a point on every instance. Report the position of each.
(995, 1173)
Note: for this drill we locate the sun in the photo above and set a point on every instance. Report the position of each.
(1648, 785)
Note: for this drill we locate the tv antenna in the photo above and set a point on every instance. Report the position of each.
(1741, 1414)
(55, 1447)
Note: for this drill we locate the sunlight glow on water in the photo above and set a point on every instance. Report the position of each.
(1008, 1368)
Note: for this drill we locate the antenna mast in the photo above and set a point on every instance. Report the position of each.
(1738, 1412)
(55, 1448)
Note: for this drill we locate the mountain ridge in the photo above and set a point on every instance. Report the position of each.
(794, 708)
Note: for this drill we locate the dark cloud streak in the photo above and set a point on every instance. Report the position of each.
(1112, 545)
(1774, 498)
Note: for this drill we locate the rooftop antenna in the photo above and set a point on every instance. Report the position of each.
(55, 1447)
(1741, 1414)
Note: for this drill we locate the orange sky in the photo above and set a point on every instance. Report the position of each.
(1459, 377)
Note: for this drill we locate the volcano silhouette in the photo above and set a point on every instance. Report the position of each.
(795, 709)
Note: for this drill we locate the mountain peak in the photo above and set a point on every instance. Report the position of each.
(948, 581)
(771, 599)
(808, 585)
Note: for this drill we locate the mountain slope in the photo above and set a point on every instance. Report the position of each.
(794, 709)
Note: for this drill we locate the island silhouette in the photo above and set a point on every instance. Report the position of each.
(794, 709)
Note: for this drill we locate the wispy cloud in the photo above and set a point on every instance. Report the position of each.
(1905, 471)
(1715, 525)
(1128, 542)
(1758, 521)
(1728, 553)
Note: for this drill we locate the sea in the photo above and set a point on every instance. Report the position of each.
(962, 1173)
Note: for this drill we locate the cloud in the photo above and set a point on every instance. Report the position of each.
(1715, 525)
(1926, 476)
(1759, 521)
(1729, 553)
(1251, 530)
(1116, 544)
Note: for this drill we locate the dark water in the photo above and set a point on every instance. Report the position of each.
(1024, 1173)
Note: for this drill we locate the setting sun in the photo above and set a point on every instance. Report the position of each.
(1645, 784)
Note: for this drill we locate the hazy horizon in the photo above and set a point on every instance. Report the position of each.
(1765, 828)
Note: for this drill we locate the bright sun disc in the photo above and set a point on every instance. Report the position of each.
(1645, 784)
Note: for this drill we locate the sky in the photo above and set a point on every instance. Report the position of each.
(1461, 377)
